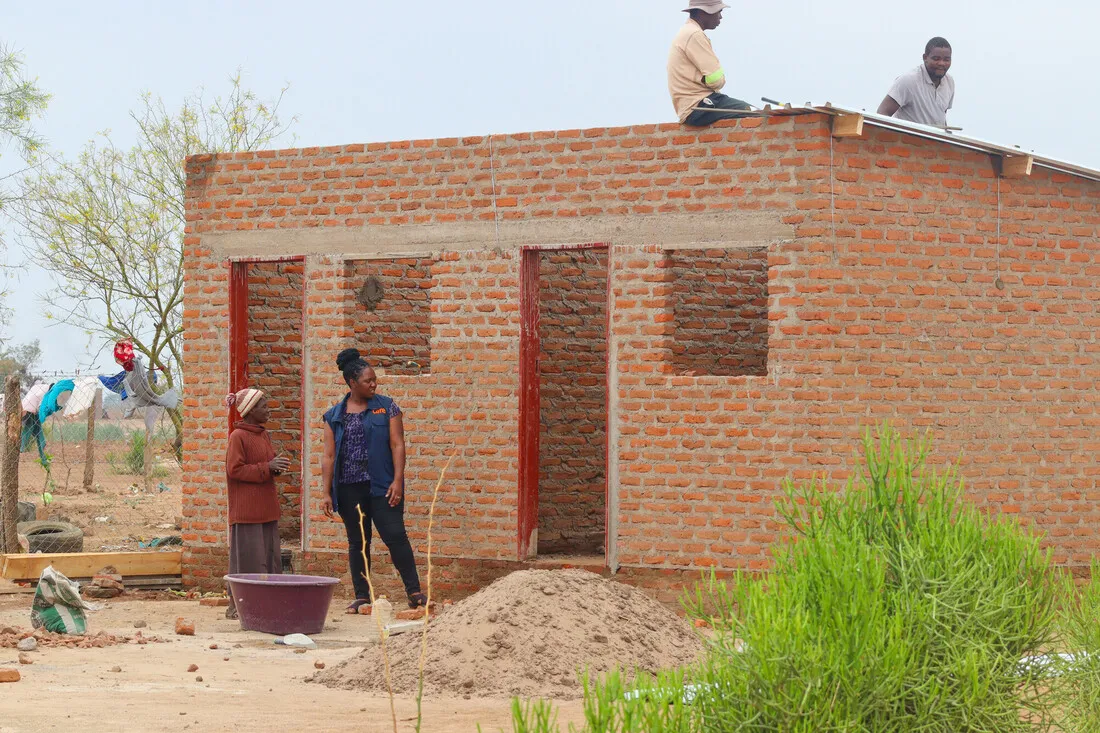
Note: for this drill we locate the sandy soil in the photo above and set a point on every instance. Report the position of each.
(528, 634)
(260, 687)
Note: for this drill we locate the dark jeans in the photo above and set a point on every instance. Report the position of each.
(704, 117)
(390, 523)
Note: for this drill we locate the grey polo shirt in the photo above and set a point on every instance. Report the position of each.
(920, 100)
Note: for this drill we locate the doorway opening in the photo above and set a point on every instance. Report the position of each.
(564, 402)
(267, 300)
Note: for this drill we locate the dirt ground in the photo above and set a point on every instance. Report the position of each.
(260, 687)
(119, 513)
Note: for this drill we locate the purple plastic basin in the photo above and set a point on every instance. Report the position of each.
(282, 604)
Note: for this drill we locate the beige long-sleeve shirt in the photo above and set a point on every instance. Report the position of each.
(694, 72)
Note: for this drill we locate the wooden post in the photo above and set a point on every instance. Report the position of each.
(89, 448)
(148, 457)
(9, 467)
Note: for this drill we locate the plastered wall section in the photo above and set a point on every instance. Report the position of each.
(883, 254)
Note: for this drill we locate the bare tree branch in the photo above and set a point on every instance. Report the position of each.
(109, 225)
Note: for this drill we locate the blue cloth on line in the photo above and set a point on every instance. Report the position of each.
(49, 404)
(117, 383)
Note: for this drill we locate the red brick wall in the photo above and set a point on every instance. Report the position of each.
(573, 401)
(720, 305)
(396, 334)
(466, 405)
(882, 304)
(275, 366)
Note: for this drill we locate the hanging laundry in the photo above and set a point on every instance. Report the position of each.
(124, 355)
(32, 431)
(83, 396)
(33, 400)
(55, 399)
(140, 393)
(117, 384)
(139, 388)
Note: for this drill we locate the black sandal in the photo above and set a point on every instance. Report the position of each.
(417, 600)
(358, 603)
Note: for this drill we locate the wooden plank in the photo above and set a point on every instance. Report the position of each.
(8, 588)
(1016, 166)
(85, 565)
(848, 126)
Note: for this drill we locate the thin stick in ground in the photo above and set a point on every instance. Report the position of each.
(428, 601)
(377, 618)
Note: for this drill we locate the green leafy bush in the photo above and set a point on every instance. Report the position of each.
(896, 606)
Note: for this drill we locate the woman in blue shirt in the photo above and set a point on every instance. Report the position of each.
(364, 469)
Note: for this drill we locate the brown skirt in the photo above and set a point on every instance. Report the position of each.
(255, 548)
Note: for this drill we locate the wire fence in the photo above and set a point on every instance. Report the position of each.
(101, 479)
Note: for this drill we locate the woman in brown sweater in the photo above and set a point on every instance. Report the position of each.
(251, 468)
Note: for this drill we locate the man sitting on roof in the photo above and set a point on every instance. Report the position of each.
(925, 94)
(694, 73)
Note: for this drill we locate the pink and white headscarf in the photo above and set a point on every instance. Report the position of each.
(244, 400)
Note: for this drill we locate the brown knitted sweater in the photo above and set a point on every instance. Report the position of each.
(252, 495)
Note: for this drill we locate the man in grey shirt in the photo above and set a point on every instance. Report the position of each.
(924, 95)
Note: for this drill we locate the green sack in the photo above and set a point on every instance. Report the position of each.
(58, 606)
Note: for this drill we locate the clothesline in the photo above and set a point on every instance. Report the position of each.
(74, 396)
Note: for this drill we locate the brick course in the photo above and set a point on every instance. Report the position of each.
(882, 303)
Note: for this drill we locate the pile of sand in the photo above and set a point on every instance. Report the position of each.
(528, 634)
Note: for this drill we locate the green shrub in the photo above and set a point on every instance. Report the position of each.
(132, 462)
(895, 607)
(1079, 693)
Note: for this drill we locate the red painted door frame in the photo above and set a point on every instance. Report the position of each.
(238, 332)
(529, 347)
(529, 371)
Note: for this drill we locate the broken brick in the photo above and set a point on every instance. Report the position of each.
(214, 602)
(193, 668)
(319, 665)
(185, 627)
(410, 615)
(9, 675)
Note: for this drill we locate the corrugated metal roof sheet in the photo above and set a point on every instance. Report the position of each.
(940, 135)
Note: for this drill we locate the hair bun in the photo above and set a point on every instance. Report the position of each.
(346, 357)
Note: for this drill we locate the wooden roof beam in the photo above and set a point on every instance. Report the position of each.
(1016, 166)
(847, 125)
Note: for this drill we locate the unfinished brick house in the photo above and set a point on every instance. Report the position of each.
(631, 336)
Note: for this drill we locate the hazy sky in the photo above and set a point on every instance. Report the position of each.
(368, 70)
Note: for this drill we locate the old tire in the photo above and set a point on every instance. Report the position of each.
(52, 536)
(26, 512)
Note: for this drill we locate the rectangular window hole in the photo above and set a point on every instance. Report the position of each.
(720, 307)
(388, 306)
